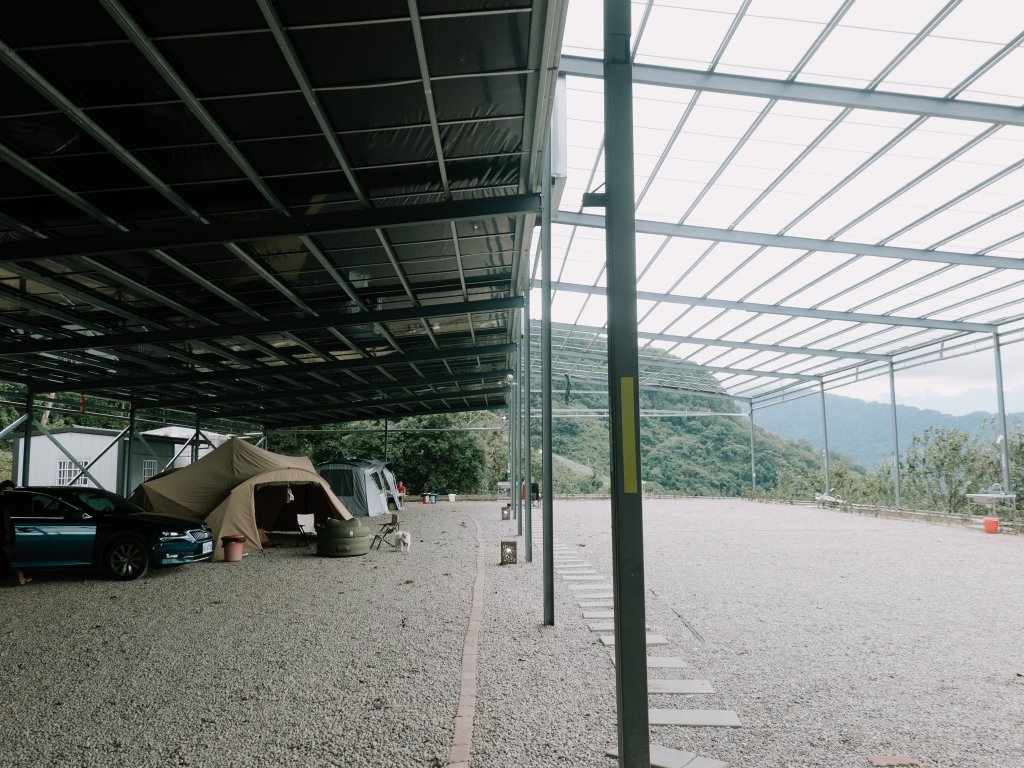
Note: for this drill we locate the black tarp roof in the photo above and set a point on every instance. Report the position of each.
(157, 121)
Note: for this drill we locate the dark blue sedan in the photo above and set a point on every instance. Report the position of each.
(76, 526)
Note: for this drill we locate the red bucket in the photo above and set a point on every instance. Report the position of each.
(991, 524)
(233, 546)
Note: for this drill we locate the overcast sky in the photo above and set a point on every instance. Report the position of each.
(957, 386)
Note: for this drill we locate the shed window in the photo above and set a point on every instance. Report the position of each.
(66, 472)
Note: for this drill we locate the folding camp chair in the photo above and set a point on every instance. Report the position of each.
(306, 524)
(386, 529)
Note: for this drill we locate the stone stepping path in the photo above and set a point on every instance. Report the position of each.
(666, 662)
(663, 662)
(592, 592)
(679, 686)
(609, 640)
(701, 718)
(663, 757)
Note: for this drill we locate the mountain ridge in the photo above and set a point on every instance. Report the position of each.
(862, 430)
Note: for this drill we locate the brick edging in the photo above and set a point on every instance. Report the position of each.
(462, 738)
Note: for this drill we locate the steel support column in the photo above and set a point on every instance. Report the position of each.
(519, 438)
(1004, 444)
(623, 394)
(547, 511)
(895, 434)
(514, 426)
(528, 437)
(753, 456)
(385, 441)
(195, 441)
(824, 433)
(127, 483)
(26, 442)
(511, 399)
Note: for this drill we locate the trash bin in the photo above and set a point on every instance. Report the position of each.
(233, 545)
(991, 524)
(425, 498)
(451, 497)
(433, 498)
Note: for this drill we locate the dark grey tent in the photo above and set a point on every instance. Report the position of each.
(364, 486)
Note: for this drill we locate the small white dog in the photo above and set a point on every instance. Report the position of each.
(402, 542)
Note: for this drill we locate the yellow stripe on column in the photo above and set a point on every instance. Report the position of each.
(627, 386)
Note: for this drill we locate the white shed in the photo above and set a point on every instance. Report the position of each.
(90, 446)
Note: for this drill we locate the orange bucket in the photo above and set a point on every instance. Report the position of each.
(991, 524)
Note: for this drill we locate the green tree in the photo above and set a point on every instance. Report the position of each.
(444, 459)
(939, 466)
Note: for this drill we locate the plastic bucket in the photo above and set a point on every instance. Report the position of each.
(991, 524)
(233, 546)
(451, 497)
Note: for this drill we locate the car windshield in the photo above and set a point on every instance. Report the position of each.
(105, 503)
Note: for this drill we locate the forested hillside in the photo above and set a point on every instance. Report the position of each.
(698, 454)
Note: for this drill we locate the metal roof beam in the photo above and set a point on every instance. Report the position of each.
(318, 417)
(765, 240)
(659, 388)
(127, 383)
(772, 309)
(672, 367)
(812, 93)
(321, 224)
(370, 408)
(329, 391)
(30, 346)
(709, 342)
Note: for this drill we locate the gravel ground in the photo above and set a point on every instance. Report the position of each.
(833, 636)
(287, 659)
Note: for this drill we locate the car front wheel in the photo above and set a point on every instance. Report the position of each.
(127, 559)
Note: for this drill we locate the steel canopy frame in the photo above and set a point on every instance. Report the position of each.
(90, 315)
(871, 341)
(811, 93)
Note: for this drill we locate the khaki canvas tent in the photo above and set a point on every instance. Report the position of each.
(239, 488)
(365, 486)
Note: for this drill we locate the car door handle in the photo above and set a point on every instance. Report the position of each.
(26, 530)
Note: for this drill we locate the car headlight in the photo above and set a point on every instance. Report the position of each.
(175, 536)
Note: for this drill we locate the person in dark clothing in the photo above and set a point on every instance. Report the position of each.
(7, 536)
